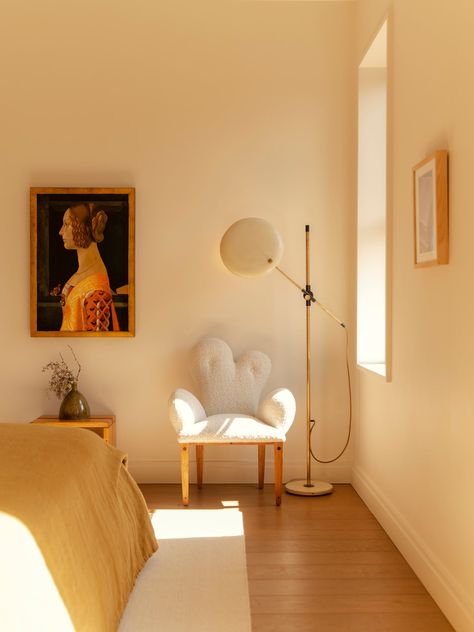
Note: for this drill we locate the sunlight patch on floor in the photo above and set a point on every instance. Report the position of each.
(230, 503)
(172, 524)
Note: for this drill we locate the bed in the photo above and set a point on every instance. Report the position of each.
(74, 531)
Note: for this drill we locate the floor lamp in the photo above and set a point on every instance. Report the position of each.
(252, 247)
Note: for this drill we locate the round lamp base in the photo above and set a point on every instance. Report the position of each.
(300, 488)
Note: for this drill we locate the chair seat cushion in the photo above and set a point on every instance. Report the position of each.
(229, 428)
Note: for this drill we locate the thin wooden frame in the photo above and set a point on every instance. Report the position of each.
(51, 265)
(430, 199)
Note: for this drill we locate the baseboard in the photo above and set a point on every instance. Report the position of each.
(450, 596)
(244, 471)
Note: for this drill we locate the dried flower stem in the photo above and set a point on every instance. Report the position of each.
(77, 362)
(62, 378)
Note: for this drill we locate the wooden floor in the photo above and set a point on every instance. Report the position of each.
(320, 564)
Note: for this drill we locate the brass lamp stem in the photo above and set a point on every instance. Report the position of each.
(308, 487)
(308, 363)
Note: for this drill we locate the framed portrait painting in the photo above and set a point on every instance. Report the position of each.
(82, 262)
(430, 194)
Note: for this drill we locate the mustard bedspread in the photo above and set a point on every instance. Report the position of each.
(86, 514)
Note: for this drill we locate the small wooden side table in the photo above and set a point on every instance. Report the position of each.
(103, 425)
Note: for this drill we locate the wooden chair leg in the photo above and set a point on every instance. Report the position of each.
(199, 464)
(278, 458)
(185, 472)
(261, 465)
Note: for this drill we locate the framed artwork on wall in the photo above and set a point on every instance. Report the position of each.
(430, 194)
(82, 267)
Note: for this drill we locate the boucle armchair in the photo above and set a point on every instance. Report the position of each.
(230, 409)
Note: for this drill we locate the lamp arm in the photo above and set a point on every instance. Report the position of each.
(309, 296)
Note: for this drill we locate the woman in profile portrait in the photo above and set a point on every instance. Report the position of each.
(86, 298)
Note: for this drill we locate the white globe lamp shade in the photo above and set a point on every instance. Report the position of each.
(251, 247)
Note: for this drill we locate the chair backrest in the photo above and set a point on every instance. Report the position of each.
(226, 385)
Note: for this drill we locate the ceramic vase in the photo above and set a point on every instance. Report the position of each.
(74, 405)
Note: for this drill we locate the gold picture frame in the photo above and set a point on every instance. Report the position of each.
(430, 199)
(82, 262)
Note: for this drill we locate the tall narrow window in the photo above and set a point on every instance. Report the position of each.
(372, 205)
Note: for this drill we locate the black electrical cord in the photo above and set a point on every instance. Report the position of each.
(313, 422)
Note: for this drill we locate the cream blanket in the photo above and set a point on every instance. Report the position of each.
(86, 514)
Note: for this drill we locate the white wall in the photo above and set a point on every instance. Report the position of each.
(213, 112)
(414, 462)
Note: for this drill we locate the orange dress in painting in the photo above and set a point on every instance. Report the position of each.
(88, 306)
